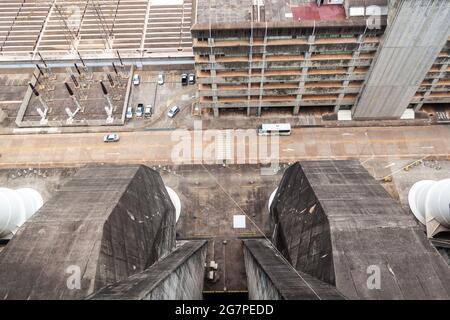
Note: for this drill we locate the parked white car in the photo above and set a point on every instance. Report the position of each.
(148, 111)
(136, 79)
(112, 137)
(129, 114)
(160, 79)
(140, 110)
(173, 111)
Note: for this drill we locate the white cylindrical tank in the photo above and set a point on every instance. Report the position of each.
(16, 207)
(31, 199)
(438, 202)
(175, 201)
(432, 198)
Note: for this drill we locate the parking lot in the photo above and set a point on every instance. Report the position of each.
(162, 98)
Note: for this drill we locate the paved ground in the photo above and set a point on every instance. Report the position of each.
(163, 147)
(89, 94)
(46, 181)
(13, 86)
(12, 90)
(162, 98)
(212, 195)
(230, 275)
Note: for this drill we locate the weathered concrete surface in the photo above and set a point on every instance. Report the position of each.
(332, 220)
(178, 276)
(417, 32)
(228, 253)
(159, 147)
(110, 222)
(269, 277)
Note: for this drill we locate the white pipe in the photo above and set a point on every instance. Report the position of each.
(16, 207)
(431, 198)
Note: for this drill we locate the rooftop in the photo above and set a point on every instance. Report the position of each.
(239, 11)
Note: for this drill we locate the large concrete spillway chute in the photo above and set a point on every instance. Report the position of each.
(16, 207)
(430, 203)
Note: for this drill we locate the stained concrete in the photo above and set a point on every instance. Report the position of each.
(230, 275)
(179, 276)
(270, 277)
(334, 221)
(107, 222)
(416, 34)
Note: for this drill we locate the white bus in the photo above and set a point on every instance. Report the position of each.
(279, 129)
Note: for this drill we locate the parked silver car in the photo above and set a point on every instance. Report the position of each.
(173, 111)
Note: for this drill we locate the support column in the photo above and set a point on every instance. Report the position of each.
(250, 67)
(213, 75)
(349, 74)
(304, 73)
(417, 33)
(442, 72)
(263, 70)
(216, 111)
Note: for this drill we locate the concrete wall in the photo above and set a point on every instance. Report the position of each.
(305, 239)
(417, 32)
(335, 221)
(179, 276)
(260, 286)
(269, 277)
(105, 224)
(184, 283)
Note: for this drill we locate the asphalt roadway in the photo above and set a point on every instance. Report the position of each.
(177, 147)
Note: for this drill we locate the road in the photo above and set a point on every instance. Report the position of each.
(164, 147)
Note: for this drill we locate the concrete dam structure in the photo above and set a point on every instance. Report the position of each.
(178, 276)
(106, 223)
(335, 222)
(372, 59)
(412, 43)
(109, 234)
(270, 277)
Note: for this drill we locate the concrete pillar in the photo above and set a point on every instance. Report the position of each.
(349, 74)
(296, 110)
(339, 101)
(212, 60)
(3, 115)
(442, 72)
(216, 111)
(418, 106)
(263, 70)
(416, 34)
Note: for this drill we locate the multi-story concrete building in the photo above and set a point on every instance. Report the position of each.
(374, 57)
